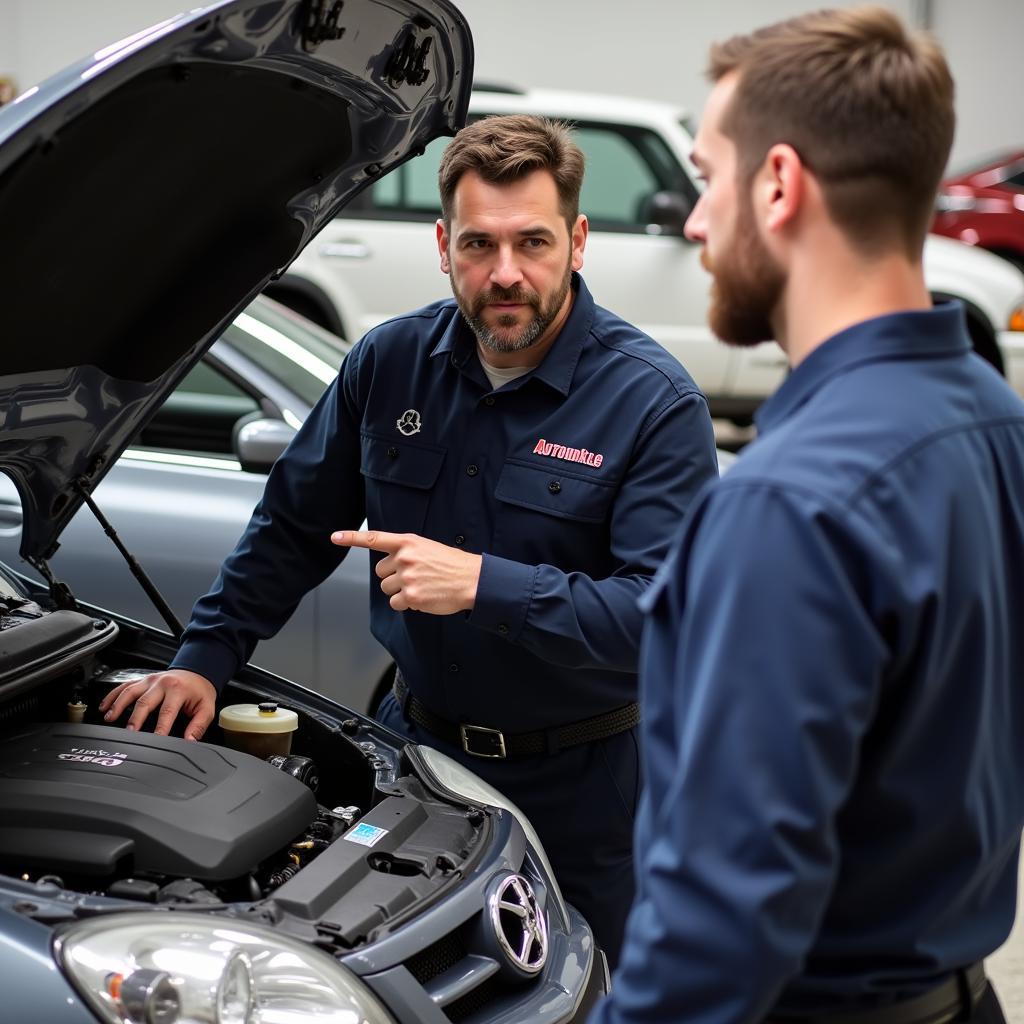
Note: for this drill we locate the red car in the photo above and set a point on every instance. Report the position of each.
(984, 205)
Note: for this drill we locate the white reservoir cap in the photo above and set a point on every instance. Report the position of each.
(262, 718)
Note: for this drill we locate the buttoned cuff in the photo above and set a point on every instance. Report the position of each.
(210, 659)
(503, 596)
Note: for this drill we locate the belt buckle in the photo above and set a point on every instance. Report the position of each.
(492, 739)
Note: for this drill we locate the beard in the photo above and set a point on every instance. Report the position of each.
(747, 285)
(506, 335)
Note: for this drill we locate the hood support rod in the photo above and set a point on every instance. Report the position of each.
(137, 571)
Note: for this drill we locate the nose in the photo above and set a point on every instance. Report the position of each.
(506, 272)
(695, 227)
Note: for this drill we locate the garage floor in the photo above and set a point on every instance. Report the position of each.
(1006, 966)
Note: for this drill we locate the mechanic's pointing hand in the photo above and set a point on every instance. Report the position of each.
(417, 573)
(172, 691)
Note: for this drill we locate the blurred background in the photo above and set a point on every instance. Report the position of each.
(654, 49)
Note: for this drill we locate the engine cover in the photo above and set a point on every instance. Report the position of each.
(99, 800)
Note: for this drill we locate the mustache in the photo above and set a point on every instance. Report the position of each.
(705, 261)
(513, 294)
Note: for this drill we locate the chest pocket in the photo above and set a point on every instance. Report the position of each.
(399, 477)
(548, 490)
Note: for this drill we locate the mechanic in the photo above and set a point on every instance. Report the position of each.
(832, 664)
(522, 458)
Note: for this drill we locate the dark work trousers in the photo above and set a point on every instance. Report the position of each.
(581, 801)
(988, 1010)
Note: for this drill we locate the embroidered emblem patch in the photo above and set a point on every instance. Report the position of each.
(560, 451)
(409, 422)
(365, 835)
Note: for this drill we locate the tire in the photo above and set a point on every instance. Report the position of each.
(307, 303)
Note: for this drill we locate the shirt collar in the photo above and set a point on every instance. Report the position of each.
(556, 369)
(913, 334)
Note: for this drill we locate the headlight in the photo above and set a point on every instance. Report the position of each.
(171, 968)
(460, 781)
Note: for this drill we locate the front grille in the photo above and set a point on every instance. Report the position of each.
(438, 957)
(480, 998)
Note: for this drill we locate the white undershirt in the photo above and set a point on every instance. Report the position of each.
(499, 375)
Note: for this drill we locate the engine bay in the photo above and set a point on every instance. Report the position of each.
(336, 841)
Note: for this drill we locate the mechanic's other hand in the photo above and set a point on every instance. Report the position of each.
(417, 573)
(172, 691)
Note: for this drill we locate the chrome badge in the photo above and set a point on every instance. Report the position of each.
(519, 924)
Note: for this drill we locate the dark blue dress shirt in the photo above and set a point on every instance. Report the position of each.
(832, 680)
(571, 480)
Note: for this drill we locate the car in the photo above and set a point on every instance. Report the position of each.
(342, 874)
(199, 466)
(379, 258)
(983, 205)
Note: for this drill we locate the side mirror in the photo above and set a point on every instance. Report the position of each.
(259, 442)
(665, 213)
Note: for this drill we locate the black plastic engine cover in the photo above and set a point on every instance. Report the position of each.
(99, 800)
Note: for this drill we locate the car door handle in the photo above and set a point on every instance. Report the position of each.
(347, 250)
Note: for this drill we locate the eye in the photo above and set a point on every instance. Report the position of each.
(477, 243)
(534, 243)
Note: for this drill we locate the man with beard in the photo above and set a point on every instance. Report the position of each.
(832, 665)
(522, 458)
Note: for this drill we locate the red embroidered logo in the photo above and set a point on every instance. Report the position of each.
(559, 451)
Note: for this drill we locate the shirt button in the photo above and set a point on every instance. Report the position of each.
(453, 667)
(460, 539)
(489, 400)
(554, 487)
(502, 629)
(392, 452)
(472, 470)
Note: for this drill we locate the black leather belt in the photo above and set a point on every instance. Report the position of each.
(955, 999)
(482, 741)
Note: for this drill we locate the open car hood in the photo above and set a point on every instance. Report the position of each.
(149, 192)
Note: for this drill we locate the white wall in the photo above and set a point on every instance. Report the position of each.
(654, 48)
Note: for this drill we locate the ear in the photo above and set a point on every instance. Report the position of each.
(779, 187)
(442, 247)
(580, 230)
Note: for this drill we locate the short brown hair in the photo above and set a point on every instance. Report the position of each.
(867, 104)
(504, 149)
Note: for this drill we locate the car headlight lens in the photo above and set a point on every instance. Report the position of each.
(171, 968)
(460, 781)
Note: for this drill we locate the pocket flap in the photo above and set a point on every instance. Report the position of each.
(547, 489)
(398, 461)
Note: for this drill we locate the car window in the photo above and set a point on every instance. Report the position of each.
(626, 165)
(293, 351)
(199, 415)
(1016, 180)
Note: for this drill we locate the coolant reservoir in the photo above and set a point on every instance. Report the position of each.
(258, 729)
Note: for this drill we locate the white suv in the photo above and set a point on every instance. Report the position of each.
(379, 259)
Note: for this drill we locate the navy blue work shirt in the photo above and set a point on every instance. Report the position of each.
(571, 480)
(832, 680)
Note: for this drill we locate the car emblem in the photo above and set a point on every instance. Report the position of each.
(409, 422)
(519, 924)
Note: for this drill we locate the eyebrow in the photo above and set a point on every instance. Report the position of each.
(537, 231)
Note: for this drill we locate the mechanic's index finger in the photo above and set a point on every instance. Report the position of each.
(122, 701)
(145, 706)
(375, 540)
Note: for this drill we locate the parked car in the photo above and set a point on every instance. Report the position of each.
(197, 469)
(143, 877)
(983, 205)
(379, 258)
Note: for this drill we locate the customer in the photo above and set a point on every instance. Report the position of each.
(529, 455)
(833, 668)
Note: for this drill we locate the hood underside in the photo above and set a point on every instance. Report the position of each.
(147, 194)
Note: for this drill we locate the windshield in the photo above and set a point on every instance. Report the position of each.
(301, 355)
